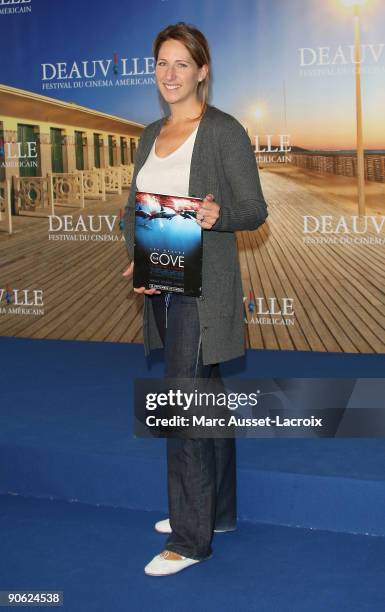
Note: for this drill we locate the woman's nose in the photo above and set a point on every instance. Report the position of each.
(170, 73)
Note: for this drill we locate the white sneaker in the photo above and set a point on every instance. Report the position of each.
(161, 565)
(165, 527)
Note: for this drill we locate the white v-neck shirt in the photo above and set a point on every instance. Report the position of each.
(168, 175)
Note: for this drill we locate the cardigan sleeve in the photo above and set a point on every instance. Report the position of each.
(248, 207)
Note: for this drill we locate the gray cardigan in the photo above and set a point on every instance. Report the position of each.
(223, 163)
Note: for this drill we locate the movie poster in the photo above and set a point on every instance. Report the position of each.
(168, 244)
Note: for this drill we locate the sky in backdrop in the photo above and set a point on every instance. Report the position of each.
(279, 66)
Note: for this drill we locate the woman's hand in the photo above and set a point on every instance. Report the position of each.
(129, 272)
(208, 214)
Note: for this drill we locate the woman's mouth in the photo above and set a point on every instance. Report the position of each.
(170, 87)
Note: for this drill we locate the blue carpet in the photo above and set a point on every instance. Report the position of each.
(96, 556)
(65, 435)
(65, 428)
(91, 359)
(78, 445)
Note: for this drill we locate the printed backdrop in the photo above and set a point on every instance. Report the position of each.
(77, 87)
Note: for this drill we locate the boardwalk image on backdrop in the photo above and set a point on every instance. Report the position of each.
(313, 275)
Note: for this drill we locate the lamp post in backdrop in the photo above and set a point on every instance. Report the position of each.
(356, 6)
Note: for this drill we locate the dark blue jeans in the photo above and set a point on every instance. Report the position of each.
(201, 472)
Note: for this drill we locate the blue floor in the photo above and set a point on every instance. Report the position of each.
(79, 494)
(96, 555)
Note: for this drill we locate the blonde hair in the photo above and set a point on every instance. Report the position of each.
(197, 45)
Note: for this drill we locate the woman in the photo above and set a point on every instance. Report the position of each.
(197, 151)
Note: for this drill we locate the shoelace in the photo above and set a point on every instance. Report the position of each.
(166, 553)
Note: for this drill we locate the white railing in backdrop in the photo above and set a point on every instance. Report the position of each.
(33, 196)
(68, 189)
(345, 165)
(94, 185)
(38, 196)
(113, 179)
(127, 172)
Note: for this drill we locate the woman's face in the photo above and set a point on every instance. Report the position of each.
(177, 74)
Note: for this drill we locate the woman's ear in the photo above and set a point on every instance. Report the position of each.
(203, 72)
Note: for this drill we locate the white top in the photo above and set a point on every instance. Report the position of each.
(168, 175)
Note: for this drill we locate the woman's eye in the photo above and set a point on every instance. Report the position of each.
(160, 63)
(182, 65)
